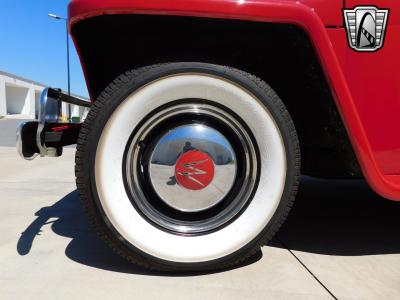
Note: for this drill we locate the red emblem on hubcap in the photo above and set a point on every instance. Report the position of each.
(194, 170)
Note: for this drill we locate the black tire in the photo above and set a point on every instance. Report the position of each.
(111, 99)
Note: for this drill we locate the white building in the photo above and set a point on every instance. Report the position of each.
(19, 98)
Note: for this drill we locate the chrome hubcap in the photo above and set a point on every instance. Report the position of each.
(191, 167)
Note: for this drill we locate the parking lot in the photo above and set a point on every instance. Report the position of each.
(341, 241)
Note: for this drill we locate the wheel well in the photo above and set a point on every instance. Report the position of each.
(280, 54)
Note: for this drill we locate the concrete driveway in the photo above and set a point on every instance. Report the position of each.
(341, 241)
(8, 128)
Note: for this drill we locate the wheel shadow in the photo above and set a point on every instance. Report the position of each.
(343, 218)
(329, 217)
(67, 219)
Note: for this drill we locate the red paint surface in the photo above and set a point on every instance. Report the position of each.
(194, 170)
(330, 11)
(393, 5)
(60, 128)
(374, 79)
(365, 85)
(56, 127)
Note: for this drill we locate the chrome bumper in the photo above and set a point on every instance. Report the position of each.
(48, 135)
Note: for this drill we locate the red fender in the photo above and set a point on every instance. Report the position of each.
(294, 12)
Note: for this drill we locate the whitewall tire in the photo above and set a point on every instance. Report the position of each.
(178, 97)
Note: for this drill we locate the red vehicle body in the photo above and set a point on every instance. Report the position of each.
(365, 86)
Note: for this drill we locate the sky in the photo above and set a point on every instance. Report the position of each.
(33, 46)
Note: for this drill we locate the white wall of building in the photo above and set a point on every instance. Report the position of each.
(19, 98)
(3, 103)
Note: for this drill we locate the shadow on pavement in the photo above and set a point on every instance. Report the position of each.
(68, 220)
(329, 217)
(341, 217)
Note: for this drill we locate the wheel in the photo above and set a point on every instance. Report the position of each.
(187, 166)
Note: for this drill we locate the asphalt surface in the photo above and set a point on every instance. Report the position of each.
(341, 241)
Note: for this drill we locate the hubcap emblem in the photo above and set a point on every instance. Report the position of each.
(194, 170)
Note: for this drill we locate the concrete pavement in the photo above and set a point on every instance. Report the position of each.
(341, 241)
(8, 128)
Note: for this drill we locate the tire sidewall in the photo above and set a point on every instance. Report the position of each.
(99, 115)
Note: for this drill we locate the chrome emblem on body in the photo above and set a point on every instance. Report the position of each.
(366, 27)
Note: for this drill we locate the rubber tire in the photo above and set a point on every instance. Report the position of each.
(109, 100)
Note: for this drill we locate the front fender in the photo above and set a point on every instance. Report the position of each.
(293, 12)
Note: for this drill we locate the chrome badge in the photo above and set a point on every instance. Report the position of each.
(366, 26)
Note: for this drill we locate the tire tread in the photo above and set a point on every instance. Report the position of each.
(106, 99)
